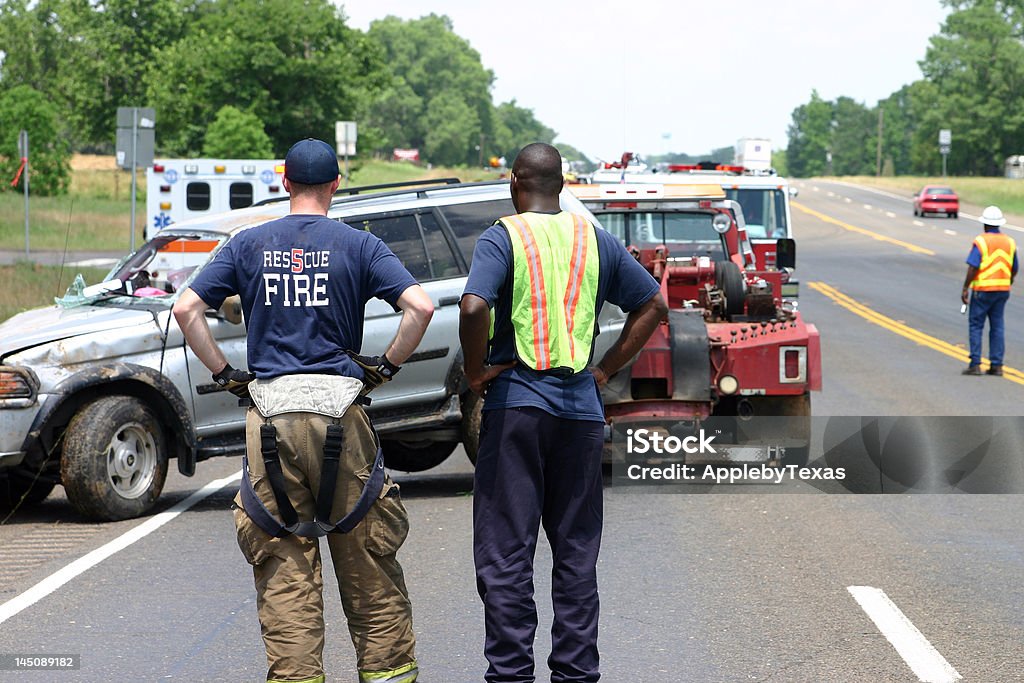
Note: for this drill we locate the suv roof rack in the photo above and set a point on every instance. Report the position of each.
(348, 191)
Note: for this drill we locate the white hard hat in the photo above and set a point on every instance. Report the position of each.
(992, 216)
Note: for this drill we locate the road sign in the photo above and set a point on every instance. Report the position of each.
(345, 137)
(945, 137)
(144, 148)
(944, 149)
(136, 139)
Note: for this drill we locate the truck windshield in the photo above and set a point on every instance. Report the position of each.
(684, 233)
(764, 210)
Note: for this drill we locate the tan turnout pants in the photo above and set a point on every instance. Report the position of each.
(287, 570)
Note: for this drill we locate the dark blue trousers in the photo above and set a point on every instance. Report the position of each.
(988, 305)
(536, 468)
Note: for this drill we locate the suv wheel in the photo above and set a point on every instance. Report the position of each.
(472, 414)
(115, 459)
(415, 456)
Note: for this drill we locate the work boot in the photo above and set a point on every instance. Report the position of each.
(973, 370)
(996, 370)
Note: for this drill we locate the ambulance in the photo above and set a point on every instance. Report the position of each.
(178, 189)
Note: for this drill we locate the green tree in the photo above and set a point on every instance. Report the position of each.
(977, 65)
(810, 138)
(34, 34)
(517, 127)
(24, 108)
(110, 46)
(296, 66)
(854, 138)
(451, 125)
(236, 134)
(429, 61)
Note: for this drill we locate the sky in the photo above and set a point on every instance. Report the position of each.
(652, 76)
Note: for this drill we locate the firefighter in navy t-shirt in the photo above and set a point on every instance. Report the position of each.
(304, 281)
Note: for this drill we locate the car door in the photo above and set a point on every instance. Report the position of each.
(417, 239)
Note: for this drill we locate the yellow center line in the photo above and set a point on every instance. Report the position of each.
(861, 231)
(905, 331)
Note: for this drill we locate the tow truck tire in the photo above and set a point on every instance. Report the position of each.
(415, 456)
(22, 488)
(729, 279)
(115, 459)
(472, 415)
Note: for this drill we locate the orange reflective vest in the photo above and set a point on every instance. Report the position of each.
(554, 289)
(996, 267)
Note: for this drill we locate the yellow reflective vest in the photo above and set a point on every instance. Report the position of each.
(996, 267)
(554, 289)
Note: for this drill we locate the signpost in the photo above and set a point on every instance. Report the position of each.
(345, 139)
(945, 141)
(136, 138)
(23, 153)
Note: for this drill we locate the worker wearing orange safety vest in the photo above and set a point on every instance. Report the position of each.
(991, 268)
(527, 325)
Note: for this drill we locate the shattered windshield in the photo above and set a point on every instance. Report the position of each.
(152, 275)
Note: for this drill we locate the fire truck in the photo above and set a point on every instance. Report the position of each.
(178, 189)
(763, 195)
(732, 351)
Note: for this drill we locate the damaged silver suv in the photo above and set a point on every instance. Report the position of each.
(99, 392)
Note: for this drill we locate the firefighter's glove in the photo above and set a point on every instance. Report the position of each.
(235, 381)
(376, 370)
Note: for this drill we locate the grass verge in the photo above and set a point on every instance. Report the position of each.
(29, 285)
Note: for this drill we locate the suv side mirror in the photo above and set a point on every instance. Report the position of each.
(785, 253)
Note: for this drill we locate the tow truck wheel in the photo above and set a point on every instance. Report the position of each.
(415, 456)
(729, 279)
(472, 414)
(115, 459)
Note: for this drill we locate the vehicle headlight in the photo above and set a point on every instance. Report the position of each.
(728, 385)
(17, 383)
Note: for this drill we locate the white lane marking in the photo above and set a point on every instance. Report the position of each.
(1015, 228)
(950, 232)
(831, 194)
(890, 214)
(815, 188)
(867, 206)
(919, 224)
(91, 559)
(912, 646)
(872, 189)
(847, 200)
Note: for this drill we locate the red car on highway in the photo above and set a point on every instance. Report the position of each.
(936, 199)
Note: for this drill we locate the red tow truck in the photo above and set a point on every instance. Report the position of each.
(732, 353)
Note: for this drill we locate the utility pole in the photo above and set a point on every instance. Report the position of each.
(878, 156)
(480, 160)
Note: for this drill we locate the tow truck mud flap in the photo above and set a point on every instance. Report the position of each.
(691, 356)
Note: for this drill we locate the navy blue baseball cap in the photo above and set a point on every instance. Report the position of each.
(311, 162)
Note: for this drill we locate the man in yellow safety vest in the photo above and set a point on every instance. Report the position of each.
(544, 274)
(991, 268)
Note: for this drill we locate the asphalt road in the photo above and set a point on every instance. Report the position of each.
(737, 584)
